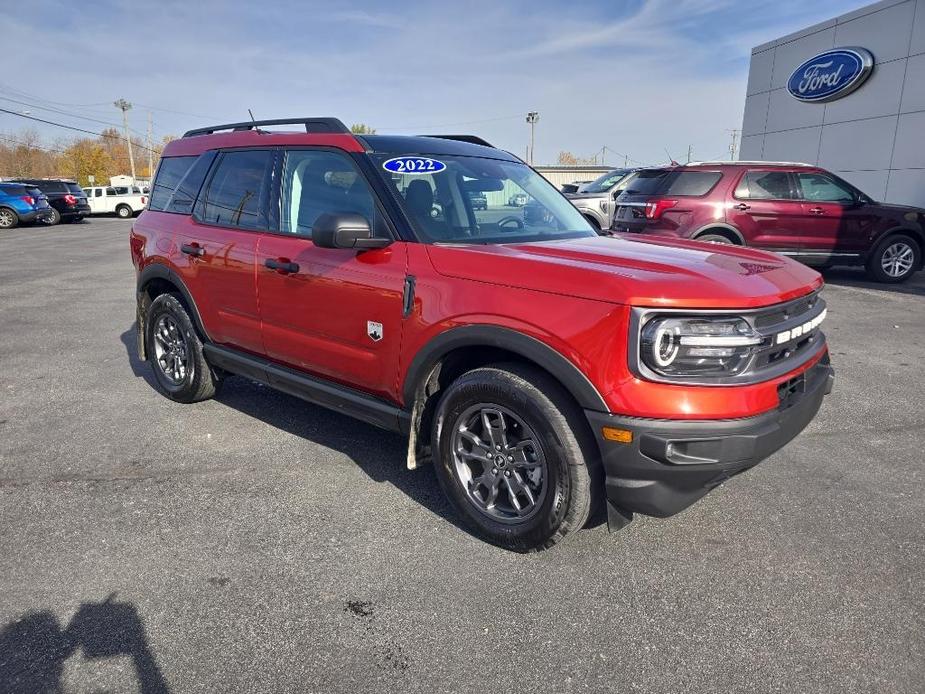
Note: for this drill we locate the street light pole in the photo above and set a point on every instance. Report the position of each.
(124, 106)
(532, 118)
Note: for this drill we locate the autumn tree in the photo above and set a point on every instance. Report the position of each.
(87, 158)
(362, 129)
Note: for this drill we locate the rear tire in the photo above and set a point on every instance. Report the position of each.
(124, 211)
(175, 352)
(540, 484)
(895, 259)
(8, 219)
(54, 219)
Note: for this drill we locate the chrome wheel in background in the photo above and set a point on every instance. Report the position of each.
(897, 259)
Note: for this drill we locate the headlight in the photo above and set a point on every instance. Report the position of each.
(697, 346)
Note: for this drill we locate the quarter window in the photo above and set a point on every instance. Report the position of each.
(819, 187)
(765, 185)
(234, 194)
(169, 174)
(316, 182)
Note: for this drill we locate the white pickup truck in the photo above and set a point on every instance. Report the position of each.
(124, 201)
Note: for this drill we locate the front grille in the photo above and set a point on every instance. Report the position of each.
(792, 333)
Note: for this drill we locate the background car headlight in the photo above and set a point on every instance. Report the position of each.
(698, 346)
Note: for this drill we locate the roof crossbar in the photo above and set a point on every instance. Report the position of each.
(312, 125)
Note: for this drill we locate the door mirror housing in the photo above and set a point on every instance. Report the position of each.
(345, 230)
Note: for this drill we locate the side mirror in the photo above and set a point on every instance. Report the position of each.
(344, 230)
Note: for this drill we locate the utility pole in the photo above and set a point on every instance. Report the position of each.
(124, 106)
(150, 150)
(532, 118)
(732, 145)
(689, 150)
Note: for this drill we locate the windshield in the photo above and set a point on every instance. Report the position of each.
(475, 200)
(605, 182)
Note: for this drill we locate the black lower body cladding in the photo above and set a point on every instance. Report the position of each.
(670, 464)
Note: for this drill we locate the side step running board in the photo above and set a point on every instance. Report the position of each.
(331, 395)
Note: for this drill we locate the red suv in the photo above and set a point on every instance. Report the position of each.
(546, 371)
(801, 211)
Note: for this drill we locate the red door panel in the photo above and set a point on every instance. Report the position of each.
(321, 319)
(221, 281)
(772, 224)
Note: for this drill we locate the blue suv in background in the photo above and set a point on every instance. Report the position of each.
(22, 204)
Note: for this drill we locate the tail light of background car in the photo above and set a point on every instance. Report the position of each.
(28, 199)
(655, 208)
(70, 199)
(144, 200)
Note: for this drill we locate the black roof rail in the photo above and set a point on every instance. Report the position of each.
(471, 139)
(312, 125)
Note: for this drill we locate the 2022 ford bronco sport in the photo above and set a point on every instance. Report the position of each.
(545, 370)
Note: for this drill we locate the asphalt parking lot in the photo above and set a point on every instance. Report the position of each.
(257, 543)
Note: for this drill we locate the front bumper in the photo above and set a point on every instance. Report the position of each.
(670, 464)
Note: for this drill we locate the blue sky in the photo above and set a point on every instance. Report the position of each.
(637, 77)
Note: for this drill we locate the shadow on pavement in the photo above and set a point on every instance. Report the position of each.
(857, 277)
(33, 649)
(380, 454)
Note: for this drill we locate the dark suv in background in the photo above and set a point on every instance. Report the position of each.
(67, 199)
(794, 209)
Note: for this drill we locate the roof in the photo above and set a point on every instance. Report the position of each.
(327, 132)
(746, 163)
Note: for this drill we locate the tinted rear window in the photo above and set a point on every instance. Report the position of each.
(669, 182)
(169, 174)
(185, 195)
(8, 189)
(75, 189)
(52, 186)
(646, 182)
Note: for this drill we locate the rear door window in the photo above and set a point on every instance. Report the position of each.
(13, 190)
(169, 174)
(765, 185)
(236, 193)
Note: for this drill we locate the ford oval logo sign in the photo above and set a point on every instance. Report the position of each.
(831, 75)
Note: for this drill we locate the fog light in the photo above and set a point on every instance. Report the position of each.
(618, 435)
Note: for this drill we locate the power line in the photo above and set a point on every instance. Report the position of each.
(65, 113)
(70, 127)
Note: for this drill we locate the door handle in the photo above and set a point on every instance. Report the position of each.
(741, 206)
(816, 210)
(193, 249)
(282, 266)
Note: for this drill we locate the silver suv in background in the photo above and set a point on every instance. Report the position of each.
(596, 200)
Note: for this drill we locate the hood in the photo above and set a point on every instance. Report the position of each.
(637, 271)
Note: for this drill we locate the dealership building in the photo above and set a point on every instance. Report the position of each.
(848, 95)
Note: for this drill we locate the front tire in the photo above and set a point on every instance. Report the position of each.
(175, 352)
(895, 259)
(514, 456)
(124, 211)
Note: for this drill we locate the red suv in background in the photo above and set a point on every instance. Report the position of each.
(793, 209)
(545, 371)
